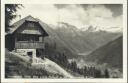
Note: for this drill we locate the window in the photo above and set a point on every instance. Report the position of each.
(31, 24)
(28, 38)
(29, 54)
(22, 38)
(36, 38)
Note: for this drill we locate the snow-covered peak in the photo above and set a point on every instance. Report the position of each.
(90, 28)
(93, 28)
(66, 25)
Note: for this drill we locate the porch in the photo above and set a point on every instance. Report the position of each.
(29, 45)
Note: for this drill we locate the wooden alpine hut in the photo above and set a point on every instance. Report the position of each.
(27, 36)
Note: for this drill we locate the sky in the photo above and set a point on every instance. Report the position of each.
(107, 16)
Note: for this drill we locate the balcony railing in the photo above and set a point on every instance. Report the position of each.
(29, 45)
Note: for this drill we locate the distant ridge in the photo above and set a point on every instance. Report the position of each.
(111, 53)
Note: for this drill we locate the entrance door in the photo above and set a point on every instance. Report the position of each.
(39, 52)
(29, 54)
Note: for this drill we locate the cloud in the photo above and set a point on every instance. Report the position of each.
(77, 15)
(101, 16)
(46, 13)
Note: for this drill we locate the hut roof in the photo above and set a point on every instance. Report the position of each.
(17, 24)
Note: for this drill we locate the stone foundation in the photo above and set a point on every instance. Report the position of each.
(28, 52)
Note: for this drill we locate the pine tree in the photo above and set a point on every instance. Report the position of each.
(10, 10)
(85, 71)
(97, 73)
(106, 73)
(73, 66)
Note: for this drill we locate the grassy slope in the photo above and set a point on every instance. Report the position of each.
(16, 66)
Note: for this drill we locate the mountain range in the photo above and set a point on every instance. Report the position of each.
(79, 41)
(110, 54)
(90, 45)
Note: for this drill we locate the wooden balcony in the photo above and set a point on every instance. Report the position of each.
(29, 45)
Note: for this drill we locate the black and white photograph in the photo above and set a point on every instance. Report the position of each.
(61, 41)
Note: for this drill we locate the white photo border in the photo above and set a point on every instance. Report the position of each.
(124, 2)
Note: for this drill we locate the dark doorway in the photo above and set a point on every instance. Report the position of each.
(9, 42)
(29, 54)
(39, 52)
